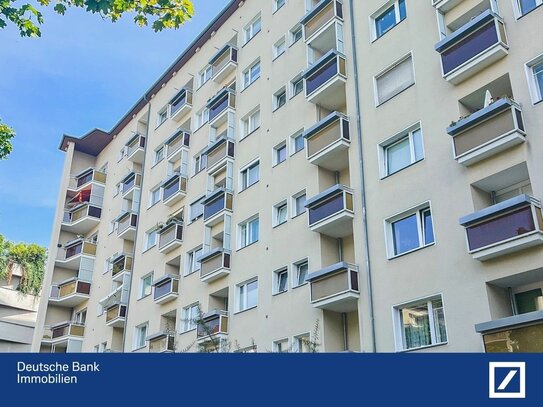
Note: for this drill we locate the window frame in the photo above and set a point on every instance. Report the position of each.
(187, 325)
(239, 294)
(249, 70)
(191, 261)
(244, 232)
(152, 193)
(275, 153)
(295, 198)
(278, 5)
(388, 69)
(244, 173)
(276, 211)
(146, 246)
(293, 138)
(195, 218)
(162, 113)
(399, 137)
(296, 273)
(141, 291)
(276, 51)
(248, 121)
(381, 11)
(277, 281)
(203, 77)
(138, 338)
(249, 31)
(293, 33)
(536, 92)
(517, 8)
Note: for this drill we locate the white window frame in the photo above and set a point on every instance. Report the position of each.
(152, 193)
(204, 76)
(389, 230)
(296, 272)
(535, 92)
(399, 339)
(201, 118)
(187, 318)
(249, 80)
(195, 218)
(296, 342)
(376, 14)
(191, 261)
(161, 116)
(244, 175)
(141, 292)
(159, 154)
(280, 47)
(518, 10)
(277, 342)
(148, 246)
(292, 85)
(138, 339)
(387, 70)
(275, 151)
(275, 213)
(293, 32)
(239, 295)
(278, 5)
(199, 163)
(249, 30)
(276, 280)
(250, 122)
(244, 232)
(299, 133)
(279, 95)
(294, 207)
(397, 138)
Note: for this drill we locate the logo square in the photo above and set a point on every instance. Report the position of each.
(507, 380)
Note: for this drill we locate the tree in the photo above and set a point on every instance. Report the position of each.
(6, 134)
(162, 13)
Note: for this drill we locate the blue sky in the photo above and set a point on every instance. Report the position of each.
(82, 73)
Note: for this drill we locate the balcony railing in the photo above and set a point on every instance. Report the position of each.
(166, 289)
(325, 81)
(126, 227)
(161, 343)
(216, 203)
(119, 265)
(224, 62)
(335, 288)
(129, 184)
(221, 103)
(63, 330)
(136, 149)
(213, 324)
(174, 189)
(328, 142)
(89, 175)
(70, 293)
(476, 45)
(181, 139)
(70, 257)
(445, 5)
(81, 219)
(214, 265)
(320, 17)
(509, 226)
(170, 237)
(219, 152)
(331, 212)
(181, 104)
(487, 132)
(116, 315)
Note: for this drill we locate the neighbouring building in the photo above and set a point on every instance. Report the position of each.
(355, 175)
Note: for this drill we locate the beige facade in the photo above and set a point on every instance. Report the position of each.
(310, 184)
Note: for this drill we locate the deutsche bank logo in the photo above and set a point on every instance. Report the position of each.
(507, 380)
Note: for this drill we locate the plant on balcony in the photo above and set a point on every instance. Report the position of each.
(30, 257)
(492, 101)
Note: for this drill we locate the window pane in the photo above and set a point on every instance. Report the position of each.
(417, 145)
(395, 80)
(439, 321)
(405, 234)
(527, 5)
(281, 154)
(298, 143)
(416, 326)
(398, 156)
(300, 204)
(385, 21)
(302, 273)
(428, 227)
(253, 174)
(282, 282)
(538, 72)
(253, 231)
(252, 294)
(281, 214)
(403, 10)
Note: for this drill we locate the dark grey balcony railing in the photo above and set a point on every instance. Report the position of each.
(216, 203)
(183, 98)
(90, 175)
(170, 234)
(320, 208)
(320, 15)
(220, 102)
(325, 69)
(213, 324)
(178, 184)
(165, 287)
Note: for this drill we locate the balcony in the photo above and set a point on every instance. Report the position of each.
(223, 63)
(521, 333)
(120, 265)
(335, 288)
(331, 212)
(126, 226)
(136, 149)
(161, 342)
(81, 219)
(130, 184)
(214, 264)
(507, 227)
(166, 289)
(170, 237)
(328, 142)
(70, 257)
(86, 177)
(218, 153)
(70, 293)
(216, 204)
(445, 5)
(219, 105)
(487, 132)
(175, 144)
(318, 19)
(116, 316)
(63, 331)
(473, 47)
(174, 189)
(181, 105)
(325, 81)
(213, 327)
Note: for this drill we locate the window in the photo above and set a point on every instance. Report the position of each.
(81, 316)
(251, 122)
(301, 343)
(248, 232)
(146, 285)
(190, 317)
(99, 310)
(296, 86)
(247, 294)
(112, 227)
(250, 175)
(196, 209)
(296, 34)
(281, 346)
(150, 239)
(279, 47)
(122, 153)
(410, 231)
(279, 98)
(252, 29)
(154, 196)
(280, 213)
(525, 6)
(280, 153)
(202, 117)
(251, 74)
(299, 203)
(421, 323)
(103, 347)
(162, 116)
(534, 70)
(141, 336)
(159, 155)
(200, 162)
(300, 273)
(193, 265)
(402, 150)
(394, 13)
(394, 80)
(280, 281)
(204, 76)
(297, 142)
(277, 4)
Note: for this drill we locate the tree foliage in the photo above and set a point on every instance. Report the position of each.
(30, 257)
(6, 134)
(160, 14)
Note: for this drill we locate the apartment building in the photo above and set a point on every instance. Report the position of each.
(315, 175)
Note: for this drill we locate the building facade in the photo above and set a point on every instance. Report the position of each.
(315, 176)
